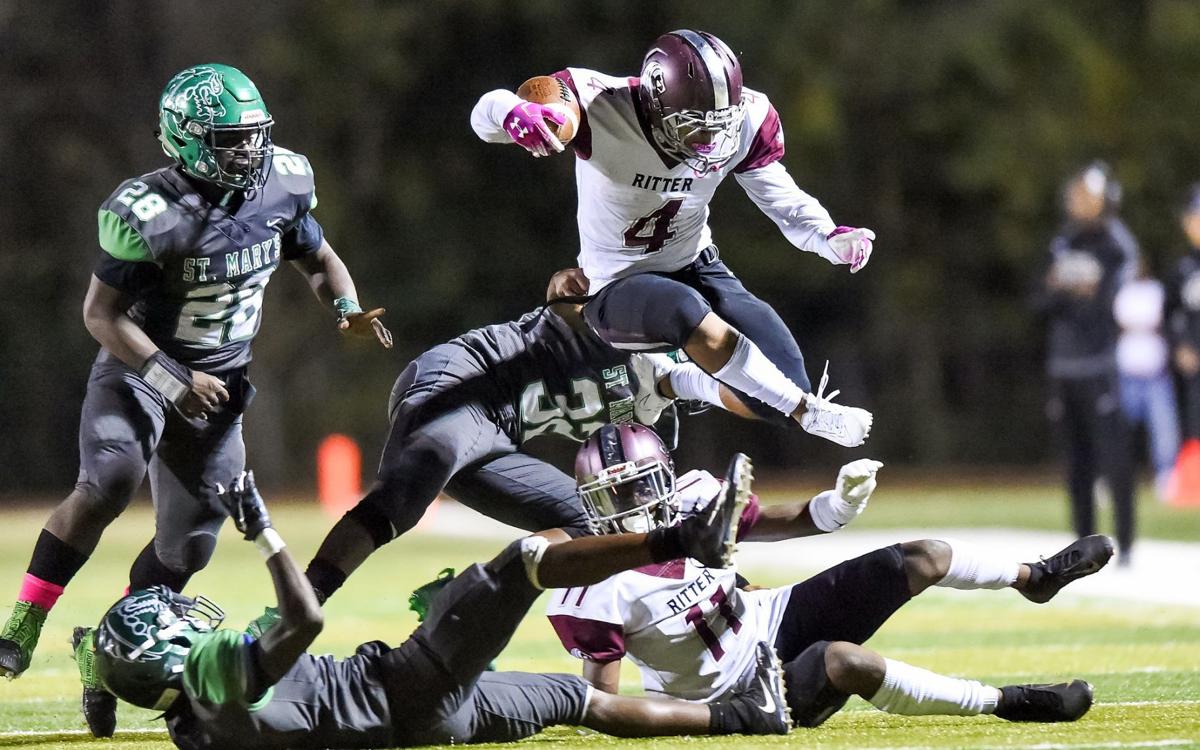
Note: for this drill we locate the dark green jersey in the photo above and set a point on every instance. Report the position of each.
(552, 377)
(197, 269)
(320, 702)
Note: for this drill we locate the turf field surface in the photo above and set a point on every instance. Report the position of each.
(1143, 658)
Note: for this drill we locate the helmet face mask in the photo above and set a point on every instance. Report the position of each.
(213, 121)
(626, 481)
(143, 641)
(691, 86)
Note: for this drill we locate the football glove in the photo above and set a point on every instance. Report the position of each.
(852, 245)
(648, 403)
(526, 125)
(833, 509)
(245, 506)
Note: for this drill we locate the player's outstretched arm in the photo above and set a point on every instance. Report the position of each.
(501, 116)
(827, 512)
(803, 220)
(300, 617)
(331, 282)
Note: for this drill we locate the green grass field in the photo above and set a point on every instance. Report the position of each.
(1143, 660)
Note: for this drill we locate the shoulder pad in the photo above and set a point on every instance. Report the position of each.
(757, 107)
(136, 221)
(294, 173)
(588, 84)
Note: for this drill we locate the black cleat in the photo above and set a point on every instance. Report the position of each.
(1078, 559)
(99, 706)
(710, 535)
(1064, 701)
(762, 706)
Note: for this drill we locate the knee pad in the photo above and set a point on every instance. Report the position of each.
(374, 520)
(810, 695)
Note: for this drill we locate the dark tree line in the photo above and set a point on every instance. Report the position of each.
(946, 126)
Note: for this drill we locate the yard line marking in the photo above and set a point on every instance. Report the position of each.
(1184, 702)
(1174, 742)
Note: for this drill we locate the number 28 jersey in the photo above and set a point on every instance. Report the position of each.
(688, 628)
(197, 270)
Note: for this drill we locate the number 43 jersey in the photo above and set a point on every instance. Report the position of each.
(195, 265)
(688, 628)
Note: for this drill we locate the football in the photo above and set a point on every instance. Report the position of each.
(555, 93)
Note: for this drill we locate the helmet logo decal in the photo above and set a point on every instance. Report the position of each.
(204, 93)
(658, 81)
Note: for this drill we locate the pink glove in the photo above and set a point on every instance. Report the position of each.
(852, 245)
(526, 125)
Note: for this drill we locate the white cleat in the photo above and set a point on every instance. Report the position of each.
(844, 425)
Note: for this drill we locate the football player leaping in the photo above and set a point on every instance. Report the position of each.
(231, 689)
(650, 154)
(175, 300)
(693, 632)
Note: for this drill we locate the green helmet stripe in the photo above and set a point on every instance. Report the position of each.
(120, 240)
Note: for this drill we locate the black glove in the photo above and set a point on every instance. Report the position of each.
(245, 506)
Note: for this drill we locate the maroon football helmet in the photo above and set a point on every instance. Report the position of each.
(691, 89)
(626, 480)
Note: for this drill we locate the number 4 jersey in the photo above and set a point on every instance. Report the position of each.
(196, 269)
(689, 629)
(639, 209)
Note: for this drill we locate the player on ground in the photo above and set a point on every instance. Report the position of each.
(461, 412)
(650, 154)
(692, 631)
(174, 302)
(227, 688)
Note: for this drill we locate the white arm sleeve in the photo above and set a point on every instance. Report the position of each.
(487, 118)
(690, 383)
(802, 219)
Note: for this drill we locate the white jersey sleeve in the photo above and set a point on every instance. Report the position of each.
(589, 620)
(487, 118)
(802, 219)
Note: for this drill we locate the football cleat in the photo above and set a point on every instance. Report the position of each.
(762, 706)
(848, 426)
(19, 638)
(263, 622)
(1063, 701)
(1078, 559)
(99, 706)
(710, 535)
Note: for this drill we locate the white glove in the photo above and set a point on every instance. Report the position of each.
(648, 403)
(852, 245)
(833, 509)
(856, 481)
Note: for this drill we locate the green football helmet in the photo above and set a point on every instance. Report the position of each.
(213, 121)
(143, 640)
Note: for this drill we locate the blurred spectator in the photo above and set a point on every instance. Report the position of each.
(1183, 304)
(1147, 391)
(1091, 257)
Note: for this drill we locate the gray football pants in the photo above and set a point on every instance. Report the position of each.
(127, 427)
(438, 689)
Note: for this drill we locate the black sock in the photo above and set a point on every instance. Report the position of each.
(148, 570)
(55, 561)
(722, 719)
(325, 578)
(665, 544)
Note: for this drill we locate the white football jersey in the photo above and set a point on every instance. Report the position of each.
(639, 210)
(689, 629)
